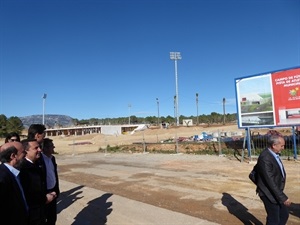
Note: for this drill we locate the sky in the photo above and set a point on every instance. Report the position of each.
(111, 58)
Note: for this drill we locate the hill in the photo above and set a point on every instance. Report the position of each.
(50, 120)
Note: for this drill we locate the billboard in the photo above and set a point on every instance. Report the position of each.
(269, 99)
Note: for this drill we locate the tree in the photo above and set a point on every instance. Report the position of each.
(133, 119)
(3, 121)
(75, 121)
(215, 117)
(12, 124)
(93, 121)
(169, 119)
(152, 119)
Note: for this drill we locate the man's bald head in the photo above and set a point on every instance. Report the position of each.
(15, 144)
(9, 148)
(6, 146)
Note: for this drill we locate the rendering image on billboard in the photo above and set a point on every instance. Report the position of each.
(269, 99)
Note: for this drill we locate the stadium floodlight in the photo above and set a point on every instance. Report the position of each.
(129, 107)
(176, 56)
(44, 100)
(157, 101)
(197, 108)
(224, 100)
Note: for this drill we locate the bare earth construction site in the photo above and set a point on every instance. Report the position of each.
(206, 189)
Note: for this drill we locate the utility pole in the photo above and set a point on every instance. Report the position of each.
(129, 106)
(44, 100)
(224, 111)
(157, 111)
(175, 109)
(197, 108)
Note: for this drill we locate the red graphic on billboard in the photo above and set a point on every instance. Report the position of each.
(286, 91)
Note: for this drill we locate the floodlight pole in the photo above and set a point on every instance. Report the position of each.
(44, 100)
(175, 109)
(197, 108)
(224, 111)
(157, 101)
(176, 56)
(129, 106)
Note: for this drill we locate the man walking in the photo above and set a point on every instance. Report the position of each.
(271, 178)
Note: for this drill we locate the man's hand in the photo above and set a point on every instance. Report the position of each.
(287, 202)
(50, 197)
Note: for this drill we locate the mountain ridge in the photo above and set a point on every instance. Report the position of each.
(51, 120)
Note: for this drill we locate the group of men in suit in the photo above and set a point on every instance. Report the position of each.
(29, 184)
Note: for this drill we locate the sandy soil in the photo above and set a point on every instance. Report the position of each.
(213, 188)
(92, 142)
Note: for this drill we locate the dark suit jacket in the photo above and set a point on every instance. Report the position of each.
(34, 189)
(42, 165)
(12, 206)
(270, 181)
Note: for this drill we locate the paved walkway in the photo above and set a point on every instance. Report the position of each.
(79, 205)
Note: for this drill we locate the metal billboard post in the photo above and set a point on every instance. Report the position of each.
(294, 143)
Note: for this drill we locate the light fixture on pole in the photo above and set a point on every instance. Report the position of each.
(197, 108)
(157, 111)
(44, 100)
(176, 56)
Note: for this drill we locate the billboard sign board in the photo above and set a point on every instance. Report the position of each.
(269, 99)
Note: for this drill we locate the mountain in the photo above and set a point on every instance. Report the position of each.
(50, 120)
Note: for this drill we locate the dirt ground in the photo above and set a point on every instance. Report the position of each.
(213, 188)
(216, 189)
(93, 142)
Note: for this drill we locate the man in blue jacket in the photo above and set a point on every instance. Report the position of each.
(271, 178)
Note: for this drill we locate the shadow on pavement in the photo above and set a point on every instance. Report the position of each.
(239, 210)
(67, 198)
(96, 211)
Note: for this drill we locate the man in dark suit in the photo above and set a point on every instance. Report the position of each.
(48, 164)
(33, 183)
(13, 205)
(271, 178)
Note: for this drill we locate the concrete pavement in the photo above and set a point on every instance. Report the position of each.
(79, 205)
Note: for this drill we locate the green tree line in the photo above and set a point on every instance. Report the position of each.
(213, 118)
